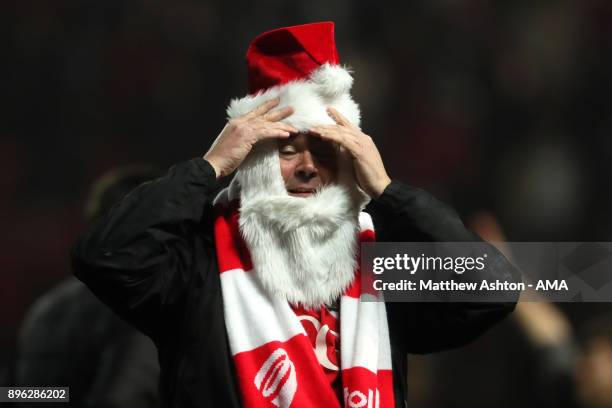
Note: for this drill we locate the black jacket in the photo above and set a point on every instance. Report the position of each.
(153, 260)
(70, 338)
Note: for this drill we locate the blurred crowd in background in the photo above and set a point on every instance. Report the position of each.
(500, 108)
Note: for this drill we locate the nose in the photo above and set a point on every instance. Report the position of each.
(306, 168)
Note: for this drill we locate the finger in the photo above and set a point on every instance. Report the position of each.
(338, 117)
(279, 114)
(287, 127)
(262, 109)
(335, 129)
(276, 125)
(270, 133)
(343, 139)
(327, 127)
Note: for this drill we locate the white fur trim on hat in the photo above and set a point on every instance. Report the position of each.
(329, 85)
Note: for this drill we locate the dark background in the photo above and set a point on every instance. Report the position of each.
(491, 105)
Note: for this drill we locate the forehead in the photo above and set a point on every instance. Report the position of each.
(306, 141)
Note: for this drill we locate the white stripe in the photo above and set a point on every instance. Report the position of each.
(365, 222)
(252, 318)
(259, 321)
(384, 356)
(365, 341)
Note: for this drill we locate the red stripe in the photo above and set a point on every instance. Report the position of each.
(232, 252)
(367, 235)
(360, 382)
(355, 290)
(313, 390)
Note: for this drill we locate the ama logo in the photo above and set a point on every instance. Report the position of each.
(272, 379)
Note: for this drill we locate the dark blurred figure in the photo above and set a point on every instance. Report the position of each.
(594, 369)
(70, 338)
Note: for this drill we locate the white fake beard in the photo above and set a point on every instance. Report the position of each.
(303, 249)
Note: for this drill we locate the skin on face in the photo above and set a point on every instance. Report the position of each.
(307, 163)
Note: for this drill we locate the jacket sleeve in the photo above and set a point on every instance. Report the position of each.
(139, 258)
(407, 214)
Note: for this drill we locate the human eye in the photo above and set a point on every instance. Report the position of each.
(287, 151)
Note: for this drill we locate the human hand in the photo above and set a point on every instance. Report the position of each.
(240, 135)
(369, 168)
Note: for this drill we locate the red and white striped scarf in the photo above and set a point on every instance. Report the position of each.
(274, 359)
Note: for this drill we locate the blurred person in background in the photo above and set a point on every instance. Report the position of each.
(546, 361)
(70, 338)
(253, 297)
(528, 360)
(542, 331)
(594, 369)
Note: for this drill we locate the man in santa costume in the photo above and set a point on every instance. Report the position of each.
(254, 297)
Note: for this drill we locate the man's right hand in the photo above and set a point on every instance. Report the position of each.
(240, 135)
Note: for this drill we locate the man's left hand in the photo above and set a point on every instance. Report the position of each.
(369, 168)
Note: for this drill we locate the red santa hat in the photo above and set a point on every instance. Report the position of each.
(300, 65)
